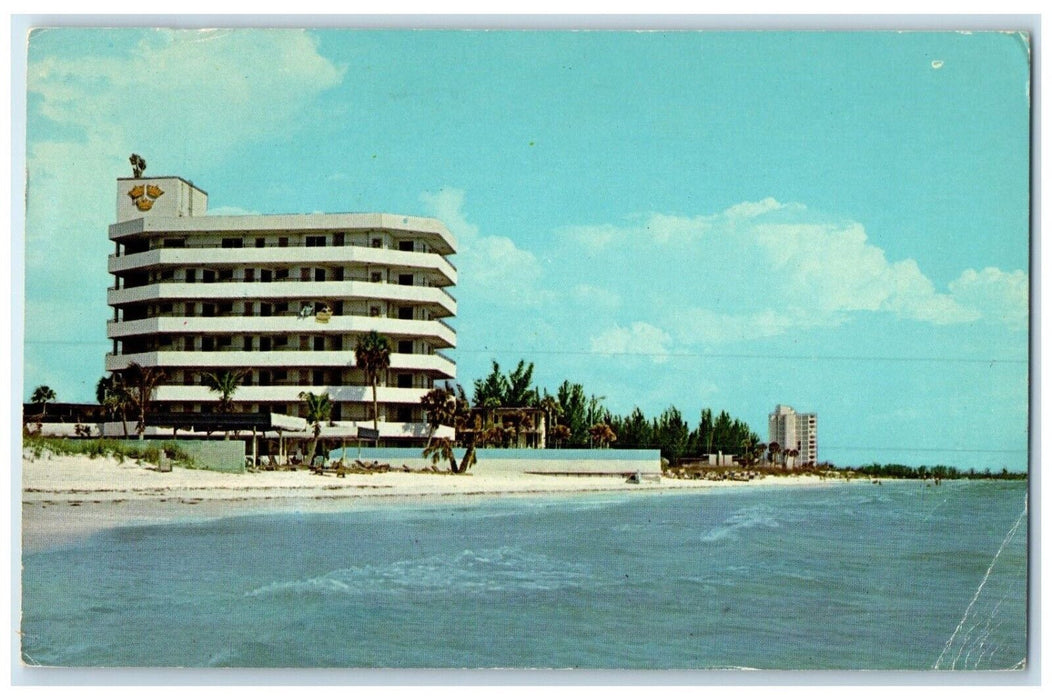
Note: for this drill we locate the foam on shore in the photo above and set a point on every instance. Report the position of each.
(69, 496)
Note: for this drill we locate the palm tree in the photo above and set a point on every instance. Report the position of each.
(141, 382)
(442, 449)
(225, 385)
(559, 434)
(319, 408)
(440, 405)
(774, 448)
(468, 426)
(602, 434)
(373, 355)
(41, 395)
(550, 405)
(113, 395)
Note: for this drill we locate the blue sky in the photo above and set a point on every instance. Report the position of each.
(835, 221)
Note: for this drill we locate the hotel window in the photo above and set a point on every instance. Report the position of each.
(174, 243)
(337, 274)
(283, 242)
(281, 375)
(337, 239)
(319, 343)
(250, 274)
(304, 274)
(208, 310)
(207, 344)
(374, 310)
(406, 246)
(318, 377)
(166, 308)
(226, 308)
(280, 275)
(281, 307)
(405, 347)
(261, 242)
(319, 275)
(376, 243)
(405, 313)
(226, 276)
(315, 241)
(375, 276)
(266, 275)
(264, 345)
(405, 280)
(247, 345)
(405, 381)
(250, 309)
(233, 243)
(281, 341)
(208, 276)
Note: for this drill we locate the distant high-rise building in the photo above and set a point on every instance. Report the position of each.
(794, 431)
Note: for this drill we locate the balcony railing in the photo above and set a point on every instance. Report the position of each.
(328, 289)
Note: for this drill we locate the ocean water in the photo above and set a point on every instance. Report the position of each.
(901, 575)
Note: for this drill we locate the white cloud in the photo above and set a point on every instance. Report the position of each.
(590, 298)
(492, 267)
(181, 99)
(996, 295)
(703, 325)
(764, 269)
(231, 211)
(177, 97)
(640, 338)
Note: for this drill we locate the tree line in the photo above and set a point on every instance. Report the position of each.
(579, 419)
(902, 471)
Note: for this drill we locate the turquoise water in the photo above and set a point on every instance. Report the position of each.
(856, 576)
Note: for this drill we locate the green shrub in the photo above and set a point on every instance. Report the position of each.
(149, 451)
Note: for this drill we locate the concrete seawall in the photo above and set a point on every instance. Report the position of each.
(493, 460)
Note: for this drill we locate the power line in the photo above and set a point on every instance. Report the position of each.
(926, 449)
(748, 356)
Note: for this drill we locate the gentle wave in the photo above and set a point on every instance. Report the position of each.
(502, 569)
(743, 519)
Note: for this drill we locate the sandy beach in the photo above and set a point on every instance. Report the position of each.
(65, 496)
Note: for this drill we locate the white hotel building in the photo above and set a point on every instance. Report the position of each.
(283, 297)
(794, 431)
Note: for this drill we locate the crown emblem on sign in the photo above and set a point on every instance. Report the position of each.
(144, 196)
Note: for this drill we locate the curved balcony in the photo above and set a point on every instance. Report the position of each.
(229, 291)
(291, 394)
(435, 365)
(435, 332)
(337, 255)
(432, 230)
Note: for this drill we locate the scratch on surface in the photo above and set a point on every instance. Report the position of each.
(979, 590)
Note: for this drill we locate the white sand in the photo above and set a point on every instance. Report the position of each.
(64, 497)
